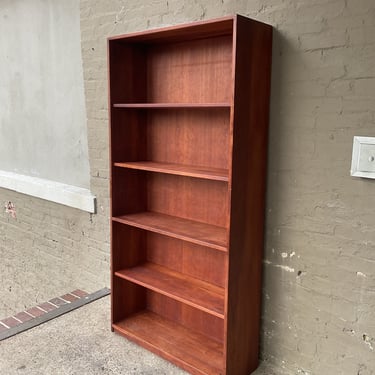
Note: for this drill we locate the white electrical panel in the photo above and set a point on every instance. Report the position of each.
(363, 157)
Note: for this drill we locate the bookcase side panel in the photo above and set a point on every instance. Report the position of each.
(129, 246)
(251, 110)
(128, 299)
(128, 135)
(127, 72)
(129, 193)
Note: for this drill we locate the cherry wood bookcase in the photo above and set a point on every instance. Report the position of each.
(188, 130)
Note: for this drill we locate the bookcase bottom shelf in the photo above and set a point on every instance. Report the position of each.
(190, 350)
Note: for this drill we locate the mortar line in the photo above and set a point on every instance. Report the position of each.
(54, 313)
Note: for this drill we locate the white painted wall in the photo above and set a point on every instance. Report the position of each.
(42, 107)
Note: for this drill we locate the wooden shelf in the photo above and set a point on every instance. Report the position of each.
(171, 105)
(177, 169)
(194, 292)
(187, 239)
(192, 351)
(183, 229)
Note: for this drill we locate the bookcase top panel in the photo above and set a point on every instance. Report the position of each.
(189, 31)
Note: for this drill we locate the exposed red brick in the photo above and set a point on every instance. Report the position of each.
(35, 312)
(23, 317)
(58, 301)
(69, 297)
(79, 293)
(10, 322)
(46, 306)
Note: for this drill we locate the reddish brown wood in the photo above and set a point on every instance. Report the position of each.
(192, 66)
(187, 130)
(192, 351)
(189, 31)
(189, 113)
(187, 230)
(145, 246)
(141, 135)
(190, 317)
(250, 124)
(181, 287)
(177, 169)
(170, 105)
(183, 257)
(194, 199)
(130, 77)
(128, 299)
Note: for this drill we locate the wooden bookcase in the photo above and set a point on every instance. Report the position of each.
(188, 130)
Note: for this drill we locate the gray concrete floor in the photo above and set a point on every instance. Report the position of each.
(81, 342)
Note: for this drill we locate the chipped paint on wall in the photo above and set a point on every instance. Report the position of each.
(10, 209)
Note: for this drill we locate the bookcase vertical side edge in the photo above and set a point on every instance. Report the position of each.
(110, 177)
(250, 138)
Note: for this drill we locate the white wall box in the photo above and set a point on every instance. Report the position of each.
(363, 157)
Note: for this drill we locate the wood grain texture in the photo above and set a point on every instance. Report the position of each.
(129, 298)
(189, 115)
(200, 200)
(133, 246)
(128, 197)
(177, 169)
(183, 288)
(251, 108)
(197, 261)
(127, 73)
(189, 317)
(170, 105)
(188, 31)
(196, 71)
(142, 135)
(187, 230)
(185, 131)
(192, 351)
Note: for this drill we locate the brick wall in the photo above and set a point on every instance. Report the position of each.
(318, 298)
(319, 281)
(50, 249)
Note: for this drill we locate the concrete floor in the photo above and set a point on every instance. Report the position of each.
(81, 342)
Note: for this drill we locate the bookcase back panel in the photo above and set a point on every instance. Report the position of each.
(187, 258)
(172, 136)
(133, 247)
(185, 315)
(197, 71)
(185, 197)
(189, 198)
(189, 136)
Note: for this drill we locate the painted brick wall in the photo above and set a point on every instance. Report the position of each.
(48, 249)
(319, 281)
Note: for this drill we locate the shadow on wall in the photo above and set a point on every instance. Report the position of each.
(276, 268)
